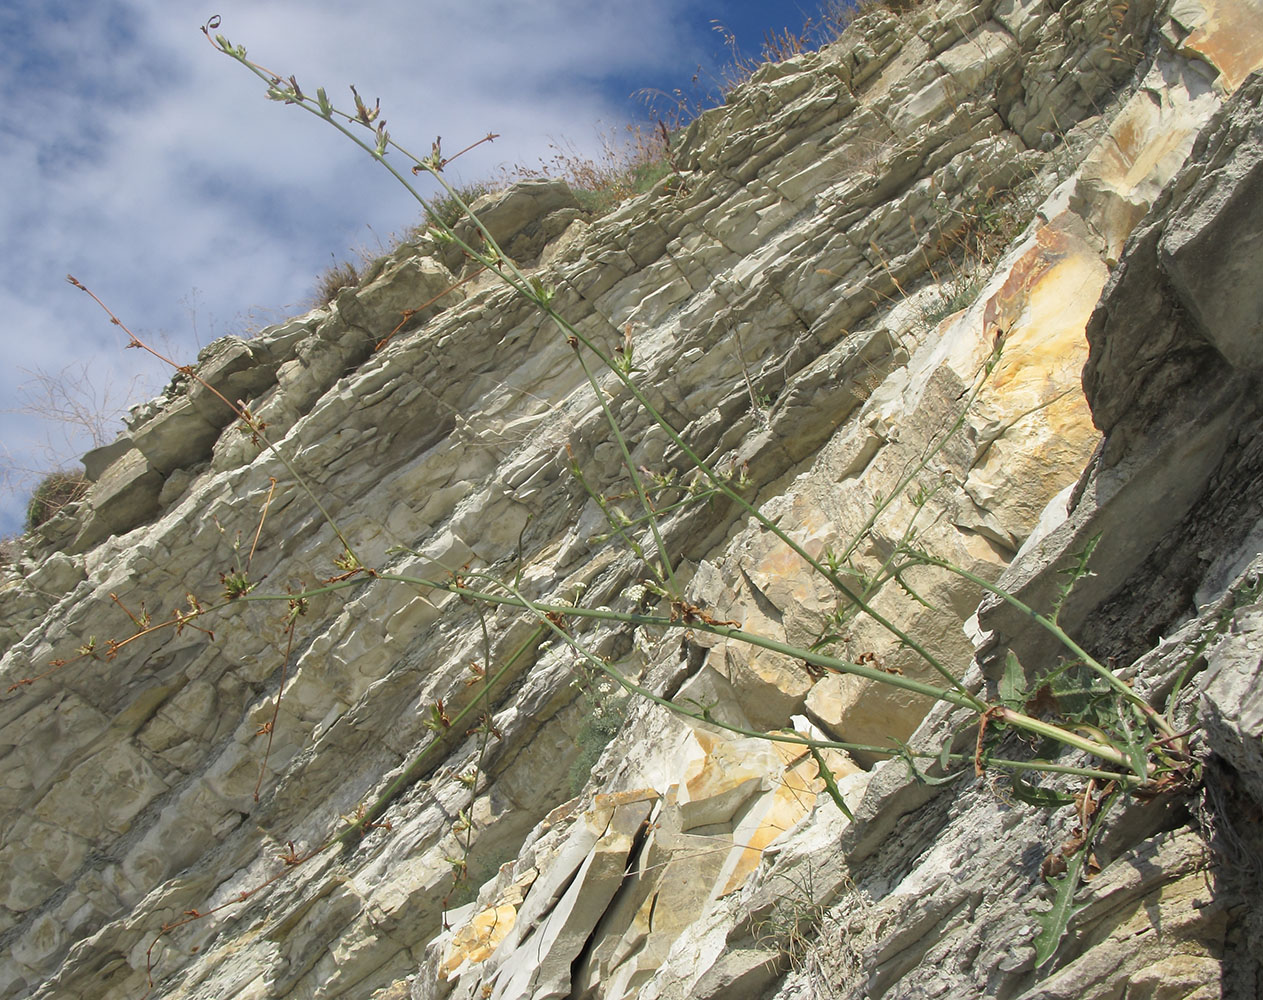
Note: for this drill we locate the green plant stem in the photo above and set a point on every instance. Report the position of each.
(1247, 593)
(667, 574)
(1020, 720)
(509, 272)
(542, 610)
(410, 773)
(514, 598)
(1119, 686)
(1016, 719)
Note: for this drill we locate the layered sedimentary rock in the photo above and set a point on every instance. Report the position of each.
(867, 292)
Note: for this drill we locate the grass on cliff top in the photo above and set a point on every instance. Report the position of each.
(632, 159)
(55, 491)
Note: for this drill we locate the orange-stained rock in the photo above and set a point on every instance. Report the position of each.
(719, 779)
(478, 938)
(793, 796)
(1230, 38)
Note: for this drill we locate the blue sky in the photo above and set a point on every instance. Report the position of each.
(135, 157)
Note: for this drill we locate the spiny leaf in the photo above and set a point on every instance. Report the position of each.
(1136, 742)
(1012, 684)
(1074, 574)
(1054, 923)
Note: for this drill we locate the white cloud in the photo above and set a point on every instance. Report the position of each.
(149, 165)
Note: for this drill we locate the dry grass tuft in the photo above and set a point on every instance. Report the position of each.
(57, 491)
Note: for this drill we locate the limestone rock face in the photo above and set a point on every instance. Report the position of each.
(522, 220)
(978, 279)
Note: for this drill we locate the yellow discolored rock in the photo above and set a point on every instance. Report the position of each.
(1230, 39)
(476, 941)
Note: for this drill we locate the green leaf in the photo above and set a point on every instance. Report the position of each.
(543, 292)
(830, 784)
(1033, 795)
(1055, 922)
(1013, 683)
(1074, 574)
(1136, 744)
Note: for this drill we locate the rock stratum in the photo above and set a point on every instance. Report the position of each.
(814, 298)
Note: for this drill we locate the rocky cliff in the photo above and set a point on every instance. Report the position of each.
(980, 275)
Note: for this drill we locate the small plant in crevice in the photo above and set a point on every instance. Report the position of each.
(619, 171)
(445, 210)
(676, 108)
(837, 940)
(604, 710)
(336, 277)
(80, 411)
(969, 237)
(55, 492)
(795, 921)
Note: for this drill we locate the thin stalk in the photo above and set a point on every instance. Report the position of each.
(619, 529)
(1016, 719)
(242, 414)
(668, 574)
(542, 614)
(410, 772)
(502, 265)
(674, 505)
(542, 611)
(515, 599)
(508, 271)
(885, 572)
(1120, 686)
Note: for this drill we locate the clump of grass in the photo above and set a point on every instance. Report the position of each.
(56, 491)
(708, 90)
(951, 296)
(445, 209)
(621, 170)
(335, 278)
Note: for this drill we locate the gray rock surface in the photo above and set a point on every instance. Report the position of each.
(816, 304)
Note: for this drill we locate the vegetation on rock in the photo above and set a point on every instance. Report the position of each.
(55, 491)
(625, 598)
